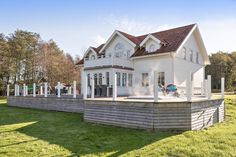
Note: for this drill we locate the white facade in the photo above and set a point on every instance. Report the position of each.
(135, 74)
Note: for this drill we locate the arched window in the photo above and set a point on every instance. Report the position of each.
(119, 47)
(184, 53)
(92, 57)
(152, 48)
(119, 50)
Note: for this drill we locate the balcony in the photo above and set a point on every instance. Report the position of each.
(107, 61)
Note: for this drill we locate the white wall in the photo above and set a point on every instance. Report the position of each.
(183, 67)
(117, 39)
(161, 63)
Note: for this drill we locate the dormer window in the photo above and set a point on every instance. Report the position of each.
(152, 48)
(92, 57)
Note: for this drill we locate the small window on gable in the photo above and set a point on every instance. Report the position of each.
(92, 57)
(184, 53)
(197, 57)
(152, 48)
(191, 55)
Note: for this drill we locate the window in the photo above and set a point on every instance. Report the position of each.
(130, 80)
(88, 79)
(191, 55)
(145, 82)
(95, 79)
(118, 79)
(92, 57)
(197, 57)
(152, 48)
(161, 78)
(107, 78)
(119, 47)
(184, 53)
(124, 79)
(119, 50)
(100, 79)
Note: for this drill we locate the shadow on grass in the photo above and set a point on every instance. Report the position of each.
(71, 132)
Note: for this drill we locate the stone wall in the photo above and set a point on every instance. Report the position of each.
(50, 103)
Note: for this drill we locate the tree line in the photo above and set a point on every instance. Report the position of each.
(222, 65)
(26, 58)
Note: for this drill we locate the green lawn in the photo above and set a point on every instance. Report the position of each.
(27, 132)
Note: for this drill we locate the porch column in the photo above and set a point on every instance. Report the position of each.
(23, 89)
(45, 89)
(114, 86)
(222, 87)
(74, 89)
(34, 89)
(26, 90)
(41, 90)
(92, 90)
(85, 86)
(58, 90)
(15, 90)
(8, 89)
(205, 87)
(155, 87)
(209, 87)
(69, 90)
(189, 87)
(18, 90)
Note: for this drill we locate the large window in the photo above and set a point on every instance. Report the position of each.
(100, 79)
(145, 80)
(124, 79)
(119, 50)
(88, 77)
(161, 78)
(107, 78)
(118, 79)
(95, 79)
(130, 80)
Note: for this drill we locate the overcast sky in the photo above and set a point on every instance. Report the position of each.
(75, 25)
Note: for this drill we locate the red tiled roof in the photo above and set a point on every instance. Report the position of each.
(171, 40)
(172, 37)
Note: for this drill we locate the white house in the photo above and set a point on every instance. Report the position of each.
(174, 53)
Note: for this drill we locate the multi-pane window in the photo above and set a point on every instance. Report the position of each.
(130, 80)
(124, 79)
(161, 78)
(118, 79)
(88, 79)
(145, 81)
(95, 79)
(197, 57)
(191, 55)
(100, 79)
(107, 78)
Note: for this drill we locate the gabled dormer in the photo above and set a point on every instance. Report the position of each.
(151, 43)
(90, 54)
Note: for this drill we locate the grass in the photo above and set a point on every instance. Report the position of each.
(27, 132)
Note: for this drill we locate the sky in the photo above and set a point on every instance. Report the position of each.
(77, 24)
